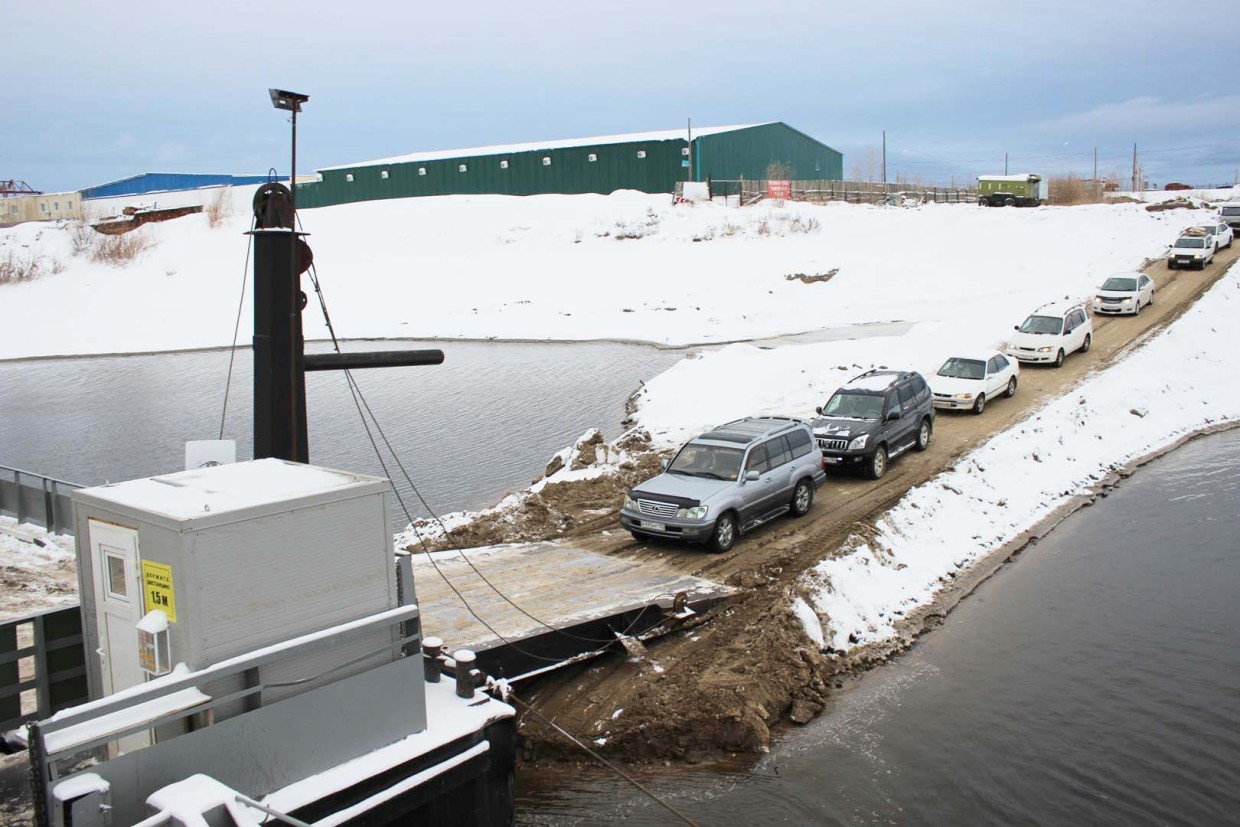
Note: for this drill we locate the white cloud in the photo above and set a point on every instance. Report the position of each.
(1141, 114)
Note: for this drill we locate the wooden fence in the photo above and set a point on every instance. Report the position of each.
(743, 192)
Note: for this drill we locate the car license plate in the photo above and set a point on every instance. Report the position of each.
(654, 526)
(832, 460)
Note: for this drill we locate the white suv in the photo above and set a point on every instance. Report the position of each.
(1050, 333)
(1193, 249)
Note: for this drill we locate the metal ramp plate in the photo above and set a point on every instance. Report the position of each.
(572, 603)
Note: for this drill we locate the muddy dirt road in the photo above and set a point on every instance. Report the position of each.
(721, 686)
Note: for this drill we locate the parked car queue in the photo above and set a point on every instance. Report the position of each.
(743, 474)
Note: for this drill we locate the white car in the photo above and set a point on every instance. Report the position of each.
(1193, 249)
(1223, 234)
(968, 381)
(1124, 293)
(1050, 333)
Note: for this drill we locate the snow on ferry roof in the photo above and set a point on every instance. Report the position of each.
(506, 149)
(1024, 176)
(222, 488)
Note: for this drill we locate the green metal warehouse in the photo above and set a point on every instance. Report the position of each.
(649, 162)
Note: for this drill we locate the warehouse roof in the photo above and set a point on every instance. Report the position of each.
(533, 146)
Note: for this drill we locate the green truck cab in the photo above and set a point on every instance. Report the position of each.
(1025, 190)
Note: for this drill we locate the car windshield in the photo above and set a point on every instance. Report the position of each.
(854, 406)
(712, 461)
(1042, 324)
(1120, 284)
(1190, 242)
(957, 368)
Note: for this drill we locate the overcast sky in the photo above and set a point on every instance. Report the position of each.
(96, 91)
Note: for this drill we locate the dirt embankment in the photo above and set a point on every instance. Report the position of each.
(722, 685)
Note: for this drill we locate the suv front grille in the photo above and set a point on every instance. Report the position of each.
(656, 508)
(832, 444)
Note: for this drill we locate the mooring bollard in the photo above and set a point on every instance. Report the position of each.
(464, 672)
(432, 647)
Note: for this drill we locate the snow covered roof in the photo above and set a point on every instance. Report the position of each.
(533, 146)
(1024, 176)
(223, 488)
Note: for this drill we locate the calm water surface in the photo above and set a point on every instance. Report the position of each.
(483, 423)
(1096, 681)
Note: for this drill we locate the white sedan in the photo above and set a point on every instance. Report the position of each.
(968, 381)
(1222, 232)
(1125, 293)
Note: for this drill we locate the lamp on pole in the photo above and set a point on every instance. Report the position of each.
(290, 102)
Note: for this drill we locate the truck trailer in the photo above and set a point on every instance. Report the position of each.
(1024, 190)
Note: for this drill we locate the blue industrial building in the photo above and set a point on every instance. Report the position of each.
(169, 182)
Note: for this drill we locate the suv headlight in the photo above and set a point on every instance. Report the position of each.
(965, 395)
(859, 443)
(1044, 350)
(695, 513)
(630, 504)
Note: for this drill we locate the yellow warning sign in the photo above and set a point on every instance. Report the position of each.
(157, 590)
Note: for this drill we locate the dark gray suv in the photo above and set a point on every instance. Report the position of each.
(728, 481)
(873, 419)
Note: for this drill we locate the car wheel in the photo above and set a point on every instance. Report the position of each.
(1150, 303)
(1170, 265)
(1088, 343)
(1059, 358)
(1011, 388)
(979, 404)
(923, 435)
(983, 202)
(1009, 202)
(802, 498)
(877, 466)
(724, 536)
(639, 537)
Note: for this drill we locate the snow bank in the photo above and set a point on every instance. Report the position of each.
(573, 267)
(1173, 385)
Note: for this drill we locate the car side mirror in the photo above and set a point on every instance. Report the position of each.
(1016, 327)
(752, 476)
(818, 410)
(664, 463)
(892, 416)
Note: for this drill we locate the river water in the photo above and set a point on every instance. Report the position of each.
(484, 422)
(1094, 681)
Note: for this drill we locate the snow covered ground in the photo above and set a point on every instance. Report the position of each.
(624, 266)
(632, 266)
(1175, 384)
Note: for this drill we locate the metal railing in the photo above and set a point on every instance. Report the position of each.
(42, 666)
(37, 499)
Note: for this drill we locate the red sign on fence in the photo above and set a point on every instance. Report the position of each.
(778, 189)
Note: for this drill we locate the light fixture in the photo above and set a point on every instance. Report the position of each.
(289, 101)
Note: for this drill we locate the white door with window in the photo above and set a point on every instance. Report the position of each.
(118, 603)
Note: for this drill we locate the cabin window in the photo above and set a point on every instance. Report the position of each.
(116, 585)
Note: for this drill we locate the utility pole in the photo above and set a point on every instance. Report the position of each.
(689, 126)
(1095, 178)
(884, 158)
(1135, 173)
(1005, 172)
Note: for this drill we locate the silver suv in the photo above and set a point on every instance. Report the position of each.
(728, 481)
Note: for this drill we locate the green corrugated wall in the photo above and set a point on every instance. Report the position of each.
(746, 153)
(740, 153)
